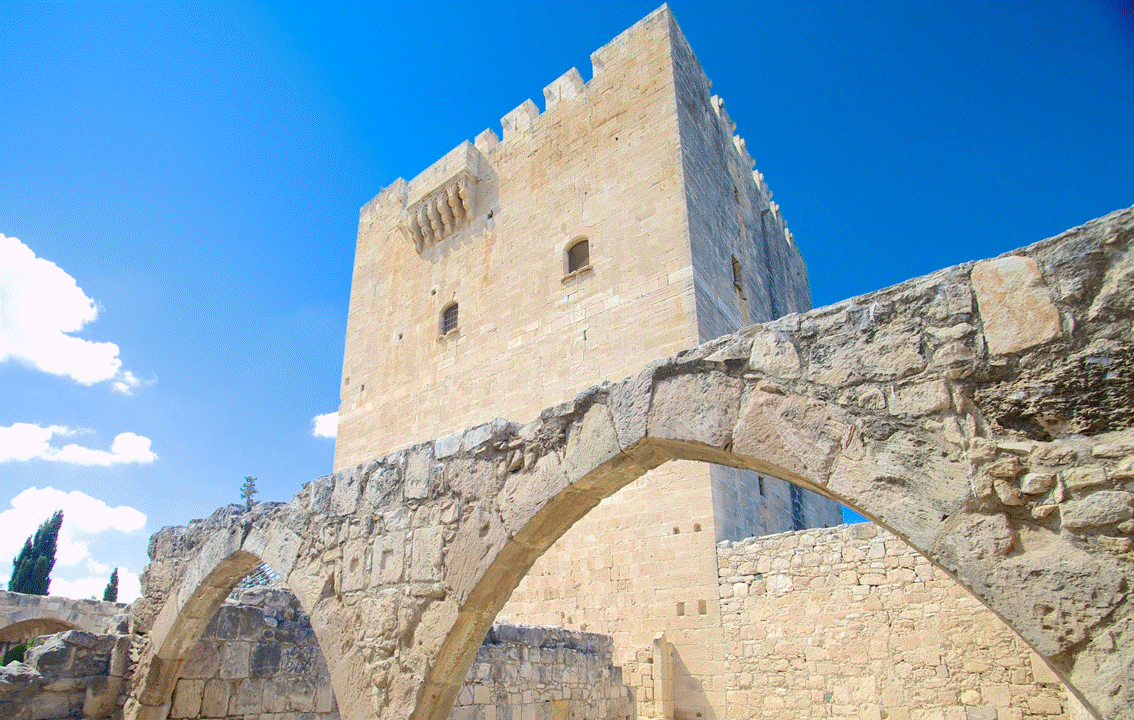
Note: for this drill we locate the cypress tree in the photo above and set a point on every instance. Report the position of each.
(110, 594)
(248, 490)
(31, 570)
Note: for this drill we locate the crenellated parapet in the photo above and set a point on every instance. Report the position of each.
(443, 198)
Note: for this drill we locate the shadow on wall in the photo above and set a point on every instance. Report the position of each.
(689, 689)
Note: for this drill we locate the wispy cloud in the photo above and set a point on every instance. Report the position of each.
(127, 382)
(84, 519)
(326, 425)
(128, 586)
(40, 304)
(25, 441)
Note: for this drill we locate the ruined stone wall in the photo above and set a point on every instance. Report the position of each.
(533, 673)
(23, 617)
(850, 622)
(652, 572)
(74, 674)
(260, 660)
(257, 657)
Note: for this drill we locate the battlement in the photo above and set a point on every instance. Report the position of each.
(644, 162)
(618, 220)
(442, 198)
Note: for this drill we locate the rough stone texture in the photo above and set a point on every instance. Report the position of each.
(73, 674)
(257, 656)
(938, 481)
(1014, 304)
(519, 672)
(23, 617)
(685, 244)
(852, 623)
(543, 674)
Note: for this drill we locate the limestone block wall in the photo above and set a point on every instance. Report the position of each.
(639, 564)
(74, 674)
(849, 622)
(23, 617)
(685, 245)
(535, 673)
(257, 657)
(602, 162)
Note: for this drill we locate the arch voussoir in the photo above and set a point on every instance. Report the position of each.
(984, 414)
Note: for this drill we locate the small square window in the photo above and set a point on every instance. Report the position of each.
(449, 319)
(578, 255)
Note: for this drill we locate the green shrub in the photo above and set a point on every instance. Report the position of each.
(15, 654)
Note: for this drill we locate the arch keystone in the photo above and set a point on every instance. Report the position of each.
(697, 408)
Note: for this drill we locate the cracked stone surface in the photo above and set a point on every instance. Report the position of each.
(996, 439)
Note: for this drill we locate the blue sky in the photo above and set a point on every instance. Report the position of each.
(184, 182)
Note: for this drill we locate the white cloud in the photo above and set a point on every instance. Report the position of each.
(128, 586)
(326, 425)
(127, 382)
(39, 305)
(25, 441)
(84, 518)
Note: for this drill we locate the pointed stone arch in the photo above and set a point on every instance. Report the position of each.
(209, 559)
(984, 414)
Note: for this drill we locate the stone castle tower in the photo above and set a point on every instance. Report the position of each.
(622, 224)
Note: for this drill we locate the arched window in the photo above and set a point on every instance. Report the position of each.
(449, 319)
(578, 255)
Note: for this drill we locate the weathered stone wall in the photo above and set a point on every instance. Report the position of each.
(533, 673)
(74, 674)
(685, 245)
(950, 409)
(852, 623)
(257, 657)
(23, 617)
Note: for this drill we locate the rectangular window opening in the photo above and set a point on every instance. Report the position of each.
(449, 319)
(578, 255)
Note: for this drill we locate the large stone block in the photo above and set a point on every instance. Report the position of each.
(1101, 508)
(101, 698)
(187, 698)
(418, 483)
(203, 661)
(248, 697)
(301, 695)
(1015, 306)
(696, 407)
(388, 559)
(234, 659)
(426, 554)
(214, 698)
(264, 659)
(791, 436)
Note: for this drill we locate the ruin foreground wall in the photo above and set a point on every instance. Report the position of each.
(846, 622)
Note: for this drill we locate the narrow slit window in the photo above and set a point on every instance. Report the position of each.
(578, 255)
(449, 319)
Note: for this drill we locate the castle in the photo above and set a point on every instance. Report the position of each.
(515, 270)
(623, 223)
